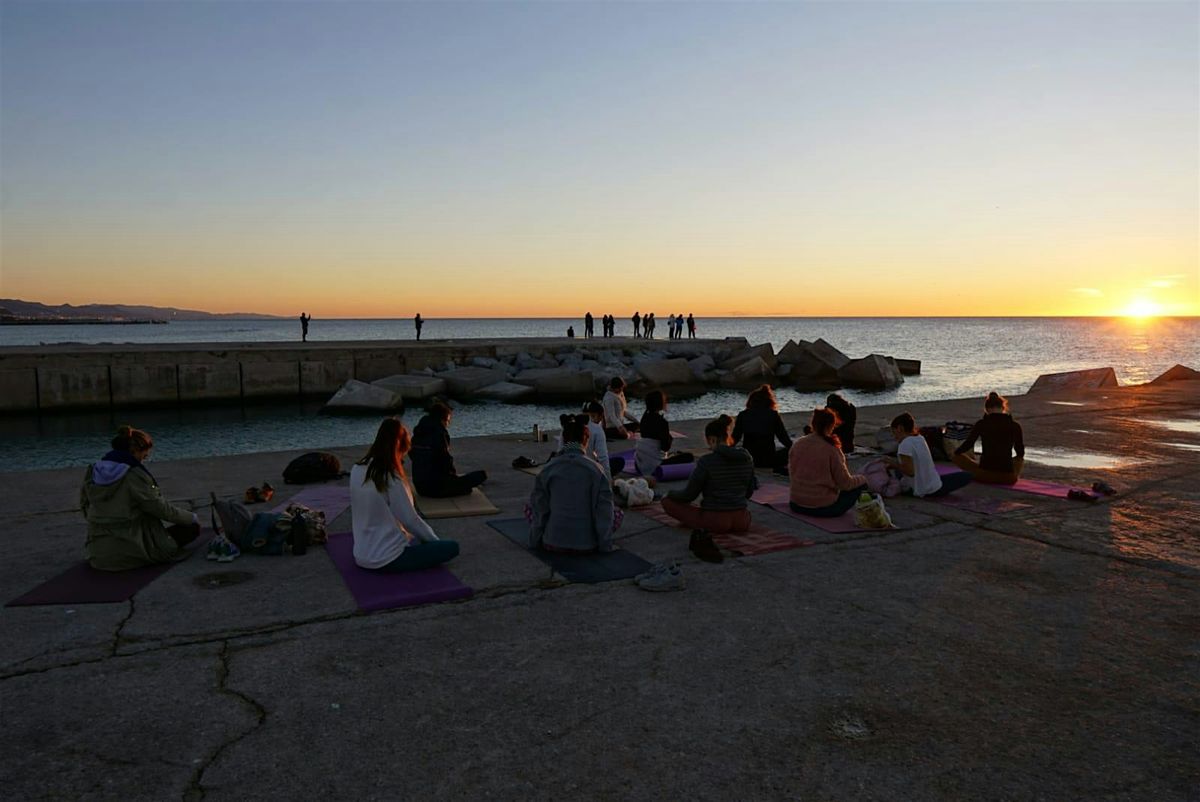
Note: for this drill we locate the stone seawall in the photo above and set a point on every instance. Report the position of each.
(74, 377)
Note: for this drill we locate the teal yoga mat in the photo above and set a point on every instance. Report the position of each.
(584, 568)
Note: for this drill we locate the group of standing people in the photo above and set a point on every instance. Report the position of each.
(608, 326)
(644, 325)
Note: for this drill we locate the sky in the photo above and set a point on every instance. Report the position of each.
(376, 159)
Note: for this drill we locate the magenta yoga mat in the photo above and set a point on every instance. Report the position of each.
(1034, 486)
(373, 590)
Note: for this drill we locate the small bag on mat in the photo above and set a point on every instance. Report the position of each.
(869, 513)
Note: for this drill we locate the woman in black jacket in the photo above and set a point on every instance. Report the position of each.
(760, 424)
(433, 472)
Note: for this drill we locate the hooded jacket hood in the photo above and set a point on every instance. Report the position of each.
(112, 467)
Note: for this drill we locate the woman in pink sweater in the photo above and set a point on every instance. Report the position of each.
(821, 484)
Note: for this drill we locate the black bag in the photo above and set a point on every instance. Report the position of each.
(315, 466)
(937, 443)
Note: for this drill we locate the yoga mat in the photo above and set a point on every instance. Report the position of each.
(584, 568)
(1034, 486)
(673, 473)
(758, 539)
(776, 497)
(331, 499)
(83, 584)
(474, 503)
(373, 590)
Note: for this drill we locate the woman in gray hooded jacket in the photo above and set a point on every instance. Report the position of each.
(125, 510)
(571, 508)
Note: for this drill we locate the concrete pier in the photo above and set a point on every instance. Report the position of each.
(1046, 653)
(73, 377)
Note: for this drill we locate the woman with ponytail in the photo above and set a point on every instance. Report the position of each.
(724, 480)
(1001, 436)
(821, 483)
(389, 535)
(125, 509)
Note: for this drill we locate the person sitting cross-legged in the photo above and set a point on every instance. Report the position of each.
(919, 476)
(571, 508)
(821, 483)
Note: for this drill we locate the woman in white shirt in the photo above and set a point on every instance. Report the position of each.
(389, 535)
(919, 476)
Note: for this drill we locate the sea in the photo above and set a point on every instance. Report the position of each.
(960, 358)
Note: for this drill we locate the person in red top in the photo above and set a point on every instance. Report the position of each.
(1001, 436)
(821, 483)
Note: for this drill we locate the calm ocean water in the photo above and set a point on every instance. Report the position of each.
(960, 357)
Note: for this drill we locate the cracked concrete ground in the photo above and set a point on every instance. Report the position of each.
(1052, 652)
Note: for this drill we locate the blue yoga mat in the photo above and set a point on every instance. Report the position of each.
(584, 568)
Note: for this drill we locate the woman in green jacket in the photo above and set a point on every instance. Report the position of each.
(125, 510)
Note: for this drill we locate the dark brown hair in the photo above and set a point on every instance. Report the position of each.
(825, 420)
(838, 404)
(440, 411)
(385, 458)
(904, 421)
(994, 400)
(762, 396)
(656, 401)
(617, 383)
(719, 428)
(129, 438)
(573, 427)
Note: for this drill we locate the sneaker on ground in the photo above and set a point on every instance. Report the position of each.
(658, 568)
(670, 578)
(228, 553)
(214, 548)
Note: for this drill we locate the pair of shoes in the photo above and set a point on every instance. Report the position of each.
(257, 494)
(662, 577)
(221, 549)
(524, 462)
(1075, 494)
(702, 545)
(1103, 488)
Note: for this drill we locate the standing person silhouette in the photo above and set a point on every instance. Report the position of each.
(671, 327)
(418, 322)
(691, 324)
(589, 326)
(679, 326)
(648, 325)
(304, 318)
(637, 324)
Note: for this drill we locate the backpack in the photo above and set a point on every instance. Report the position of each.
(267, 532)
(937, 444)
(315, 466)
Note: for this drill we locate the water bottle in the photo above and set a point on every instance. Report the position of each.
(537, 433)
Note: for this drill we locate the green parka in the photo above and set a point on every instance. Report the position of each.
(125, 511)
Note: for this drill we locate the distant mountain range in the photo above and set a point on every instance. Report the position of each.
(10, 309)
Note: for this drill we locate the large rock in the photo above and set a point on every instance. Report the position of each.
(750, 372)
(701, 365)
(765, 352)
(415, 386)
(811, 366)
(463, 382)
(355, 396)
(872, 372)
(827, 354)
(793, 352)
(909, 367)
(664, 372)
(1091, 379)
(1177, 374)
(558, 382)
(508, 392)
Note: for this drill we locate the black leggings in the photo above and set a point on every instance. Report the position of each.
(845, 501)
(453, 485)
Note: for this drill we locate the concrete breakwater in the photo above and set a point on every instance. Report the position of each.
(74, 377)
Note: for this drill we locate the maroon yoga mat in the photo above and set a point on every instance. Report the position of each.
(373, 590)
(758, 539)
(83, 584)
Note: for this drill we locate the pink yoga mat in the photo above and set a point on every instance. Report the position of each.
(373, 590)
(1034, 486)
(776, 496)
(83, 584)
(330, 498)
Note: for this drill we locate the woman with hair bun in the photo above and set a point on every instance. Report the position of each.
(1001, 436)
(724, 479)
(125, 509)
(821, 483)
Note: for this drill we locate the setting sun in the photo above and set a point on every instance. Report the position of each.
(1142, 307)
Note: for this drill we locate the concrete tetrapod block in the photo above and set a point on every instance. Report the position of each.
(1090, 379)
(414, 386)
(872, 372)
(463, 382)
(558, 382)
(827, 354)
(356, 396)
(765, 352)
(509, 392)
(909, 367)
(664, 372)
(701, 365)
(750, 372)
(1178, 373)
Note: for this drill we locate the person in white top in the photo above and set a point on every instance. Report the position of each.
(389, 535)
(918, 475)
(618, 422)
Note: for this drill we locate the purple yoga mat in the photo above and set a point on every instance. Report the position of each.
(83, 584)
(776, 496)
(673, 473)
(332, 499)
(1034, 486)
(378, 591)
